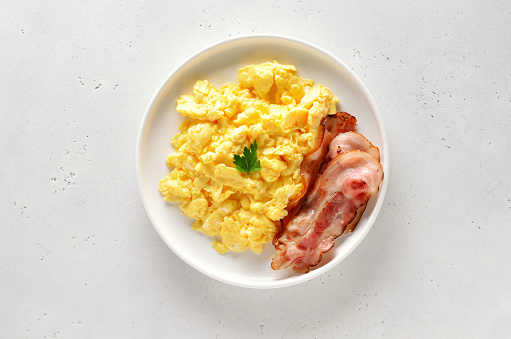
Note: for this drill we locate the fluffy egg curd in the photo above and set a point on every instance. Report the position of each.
(270, 104)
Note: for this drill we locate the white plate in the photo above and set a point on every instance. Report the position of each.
(220, 63)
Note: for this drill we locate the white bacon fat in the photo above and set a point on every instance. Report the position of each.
(348, 141)
(339, 193)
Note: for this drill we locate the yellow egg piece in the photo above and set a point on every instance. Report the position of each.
(270, 105)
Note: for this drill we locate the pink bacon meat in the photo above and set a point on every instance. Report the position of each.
(348, 141)
(331, 126)
(345, 185)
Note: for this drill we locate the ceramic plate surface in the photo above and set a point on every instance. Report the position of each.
(219, 63)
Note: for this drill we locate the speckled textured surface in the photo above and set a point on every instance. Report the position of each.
(80, 259)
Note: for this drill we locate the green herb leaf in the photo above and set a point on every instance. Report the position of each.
(248, 162)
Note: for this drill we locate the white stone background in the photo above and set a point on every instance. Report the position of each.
(79, 257)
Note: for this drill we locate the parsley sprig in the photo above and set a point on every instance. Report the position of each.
(248, 162)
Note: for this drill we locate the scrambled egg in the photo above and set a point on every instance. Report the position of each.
(270, 105)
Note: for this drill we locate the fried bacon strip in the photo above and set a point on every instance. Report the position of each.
(331, 126)
(348, 141)
(345, 185)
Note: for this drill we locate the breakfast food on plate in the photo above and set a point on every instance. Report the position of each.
(270, 158)
(271, 107)
(330, 127)
(335, 204)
